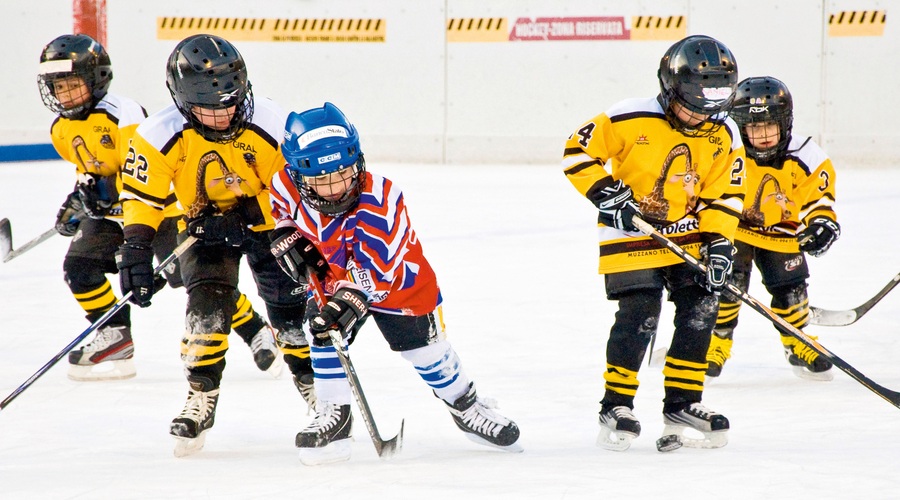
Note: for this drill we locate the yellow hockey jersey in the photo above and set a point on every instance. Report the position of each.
(166, 152)
(782, 199)
(98, 145)
(683, 185)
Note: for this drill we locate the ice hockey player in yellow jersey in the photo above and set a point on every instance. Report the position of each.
(676, 161)
(218, 145)
(788, 211)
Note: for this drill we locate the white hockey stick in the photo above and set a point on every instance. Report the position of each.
(6, 243)
(825, 317)
(781, 325)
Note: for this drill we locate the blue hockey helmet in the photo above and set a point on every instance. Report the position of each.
(321, 147)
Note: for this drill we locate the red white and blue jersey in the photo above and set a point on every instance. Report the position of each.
(373, 246)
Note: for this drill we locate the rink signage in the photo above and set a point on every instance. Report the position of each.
(274, 30)
(857, 23)
(549, 29)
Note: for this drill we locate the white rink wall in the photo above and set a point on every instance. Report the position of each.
(427, 93)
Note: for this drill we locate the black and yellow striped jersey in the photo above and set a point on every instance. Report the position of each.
(684, 185)
(98, 144)
(783, 198)
(166, 152)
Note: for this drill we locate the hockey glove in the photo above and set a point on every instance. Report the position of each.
(342, 312)
(68, 217)
(294, 253)
(617, 206)
(95, 196)
(818, 236)
(718, 256)
(135, 263)
(228, 229)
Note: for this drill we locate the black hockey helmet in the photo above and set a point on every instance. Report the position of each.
(208, 72)
(700, 74)
(760, 100)
(74, 55)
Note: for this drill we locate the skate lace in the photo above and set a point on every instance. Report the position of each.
(805, 353)
(198, 405)
(481, 419)
(327, 416)
(105, 338)
(699, 411)
(622, 413)
(262, 341)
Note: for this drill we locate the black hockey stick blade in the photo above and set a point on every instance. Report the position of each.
(825, 317)
(888, 395)
(180, 249)
(5, 239)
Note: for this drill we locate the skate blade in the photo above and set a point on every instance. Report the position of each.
(826, 376)
(337, 451)
(697, 438)
(614, 441)
(512, 448)
(188, 446)
(119, 369)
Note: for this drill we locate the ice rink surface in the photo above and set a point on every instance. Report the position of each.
(515, 253)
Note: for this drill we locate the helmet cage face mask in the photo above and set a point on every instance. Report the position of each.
(207, 73)
(71, 56)
(761, 100)
(320, 145)
(700, 74)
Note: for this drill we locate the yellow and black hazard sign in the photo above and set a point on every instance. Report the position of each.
(658, 27)
(857, 23)
(478, 29)
(274, 30)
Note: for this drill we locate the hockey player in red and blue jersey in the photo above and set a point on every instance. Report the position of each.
(350, 227)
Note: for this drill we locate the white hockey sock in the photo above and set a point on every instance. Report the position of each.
(330, 379)
(440, 368)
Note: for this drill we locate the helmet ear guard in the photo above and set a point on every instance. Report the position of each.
(74, 56)
(318, 142)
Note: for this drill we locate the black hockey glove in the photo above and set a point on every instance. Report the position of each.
(294, 252)
(617, 206)
(342, 312)
(718, 256)
(69, 216)
(228, 229)
(135, 263)
(818, 236)
(96, 196)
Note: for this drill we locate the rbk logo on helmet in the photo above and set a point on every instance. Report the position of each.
(229, 95)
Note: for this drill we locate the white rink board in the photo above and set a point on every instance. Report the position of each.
(419, 97)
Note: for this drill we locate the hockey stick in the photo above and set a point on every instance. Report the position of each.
(180, 249)
(6, 246)
(888, 395)
(825, 317)
(385, 449)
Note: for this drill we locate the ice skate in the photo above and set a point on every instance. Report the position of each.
(327, 438)
(107, 357)
(719, 351)
(805, 362)
(265, 352)
(198, 416)
(482, 425)
(304, 384)
(618, 427)
(705, 429)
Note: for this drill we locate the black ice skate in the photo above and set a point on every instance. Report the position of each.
(805, 362)
(304, 384)
(198, 416)
(107, 357)
(618, 427)
(265, 352)
(695, 418)
(482, 425)
(327, 438)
